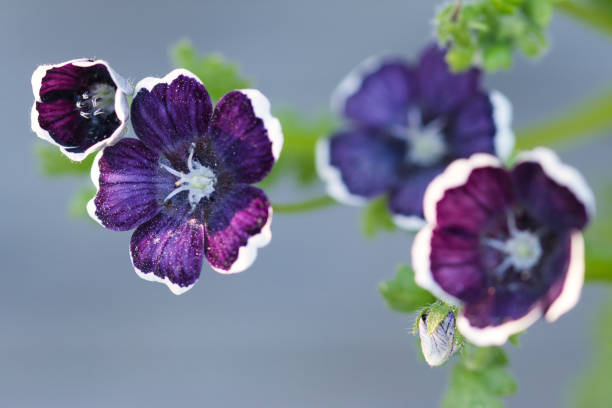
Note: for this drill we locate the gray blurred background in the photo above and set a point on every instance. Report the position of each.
(305, 326)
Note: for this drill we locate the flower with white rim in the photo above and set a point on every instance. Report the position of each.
(405, 124)
(79, 105)
(186, 183)
(504, 244)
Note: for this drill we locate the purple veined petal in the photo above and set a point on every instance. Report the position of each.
(421, 263)
(245, 136)
(61, 80)
(359, 164)
(566, 292)
(170, 113)
(502, 117)
(455, 175)
(130, 184)
(553, 192)
(406, 200)
(472, 129)
(497, 335)
(442, 91)
(378, 92)
(169, 249)
(236, 227)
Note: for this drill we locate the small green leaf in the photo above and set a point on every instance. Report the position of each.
(479, 379)
(78, 203)
(460, 58)
(437, 314)
(376, 218)
(514, 339)
(402, 294)
(540, 11)
(53, 163)
(498, 56)
(218, 75)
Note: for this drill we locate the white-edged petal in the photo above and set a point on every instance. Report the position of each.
(562, 174)
(248, 253)
(420, 259)
(149, 83)
(95, 179)
(502, 117)
(496, 335)
(261, 108)
(409, 222)
(574, 280)
(151, 277)
(455, 175)
(332, 176)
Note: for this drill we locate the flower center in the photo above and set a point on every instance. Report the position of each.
(98, 100)
(426, 142)
(522, 249)
(199, 182)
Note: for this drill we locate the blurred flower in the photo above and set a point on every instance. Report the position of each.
(185, 183)
(79, 105)
(406, 123)
(506, 244)
(438, 344)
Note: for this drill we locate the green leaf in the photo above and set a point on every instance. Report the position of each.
(402, 294)
(376, 218)
(218, 75)
(498, 56)
(436, 315)
(78, 203)
(479, 379)
(300, 138)
(53, 163)
(515, 340)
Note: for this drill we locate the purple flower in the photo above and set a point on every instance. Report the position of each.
(406, 123)
(505, 244)
(79, 105)
(185, 183)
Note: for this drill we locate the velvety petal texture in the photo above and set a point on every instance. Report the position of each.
(80, 106)
(491, 246)
(131, 185)
(169, 249)
(245, 135)
(238, 224)
(171, 113)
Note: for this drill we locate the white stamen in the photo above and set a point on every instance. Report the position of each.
(98, 100)
(199, 182)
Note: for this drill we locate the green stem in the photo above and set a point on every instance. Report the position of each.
(304, 206)
(588, 15)
(587, 119)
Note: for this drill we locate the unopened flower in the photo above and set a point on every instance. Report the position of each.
(406, 123)
(185, 183)
(505, 244)
(439, 344)
(79, 105)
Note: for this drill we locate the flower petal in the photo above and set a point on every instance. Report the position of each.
(246, 137)
(553, 192)
(473, 129)
(131, 185)
(359, 164)
(468, 192)
(169, 249)
(441, 90)
(170, 113)
(237, 225)
(377, 93)
(406, 200)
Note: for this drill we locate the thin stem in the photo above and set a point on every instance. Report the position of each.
(589, 15)
(587, 118)
(304, 206)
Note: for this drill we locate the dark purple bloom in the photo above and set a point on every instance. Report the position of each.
(505, 244)
(79, 105)
(185, 183)
(406, 123)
